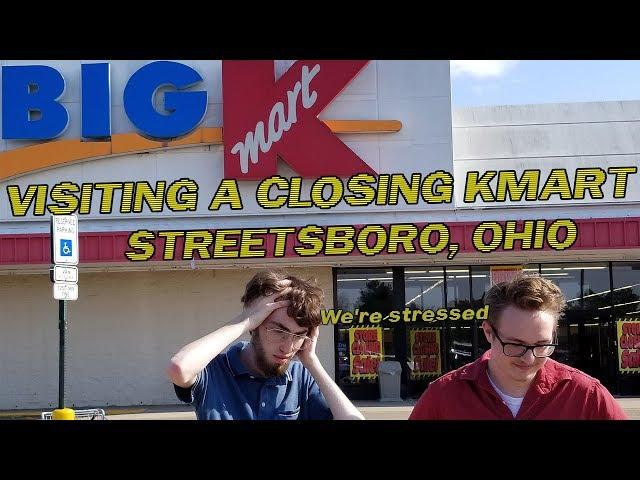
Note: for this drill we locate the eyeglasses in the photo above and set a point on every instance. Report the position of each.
(519, 349)
(275, 335)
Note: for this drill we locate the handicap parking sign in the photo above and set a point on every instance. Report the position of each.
(66, 247)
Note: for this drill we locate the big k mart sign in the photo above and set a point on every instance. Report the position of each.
(263, 118)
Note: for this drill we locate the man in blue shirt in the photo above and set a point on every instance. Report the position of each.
(259, 380)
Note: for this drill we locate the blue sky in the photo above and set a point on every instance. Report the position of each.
(506, 82)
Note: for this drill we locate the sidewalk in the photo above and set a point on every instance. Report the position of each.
(372, 410)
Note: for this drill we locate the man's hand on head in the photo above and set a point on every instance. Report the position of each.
(262, 307)
(307, 352)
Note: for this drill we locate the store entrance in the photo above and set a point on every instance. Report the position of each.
(585, 340)
(598, 296)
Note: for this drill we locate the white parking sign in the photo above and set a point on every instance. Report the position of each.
(65, 274)
(65, 291)
(64, 239)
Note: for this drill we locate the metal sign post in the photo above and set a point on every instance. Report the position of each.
(64, 275)
(62, 325)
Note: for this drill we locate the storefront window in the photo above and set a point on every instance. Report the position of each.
(583, 331)
(368, 339)
(568, 280)
(480, 285)
(567, 277)
(625, 327)
(419, 328)
(626, 289)
(424, 288)
(596, 287)
(424, 292)
(459, 330)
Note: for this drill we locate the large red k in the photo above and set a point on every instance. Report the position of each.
(264, 119)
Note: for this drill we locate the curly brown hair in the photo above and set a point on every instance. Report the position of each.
(527, 293)
(305, 295)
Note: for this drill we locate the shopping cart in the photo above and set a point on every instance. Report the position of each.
(88, 414)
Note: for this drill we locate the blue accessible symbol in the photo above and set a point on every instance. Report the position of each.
(66, 248)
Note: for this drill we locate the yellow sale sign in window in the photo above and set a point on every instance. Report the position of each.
(628, 345)
(424, 353)
(365, 351)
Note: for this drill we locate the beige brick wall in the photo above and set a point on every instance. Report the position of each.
(122, 332)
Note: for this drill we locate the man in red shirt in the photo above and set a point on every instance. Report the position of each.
(515, 378)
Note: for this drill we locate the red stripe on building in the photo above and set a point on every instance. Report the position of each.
(106, 247)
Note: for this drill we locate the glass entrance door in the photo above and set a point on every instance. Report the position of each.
(585, 340)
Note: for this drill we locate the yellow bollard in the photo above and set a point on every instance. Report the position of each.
(63, 414)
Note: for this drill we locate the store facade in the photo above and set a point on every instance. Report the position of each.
(190, 176)
(599, 295)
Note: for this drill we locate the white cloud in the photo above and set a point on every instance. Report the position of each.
(482, 68)
(478, 89)
(486, 88)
